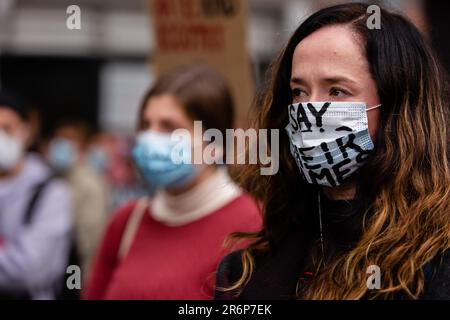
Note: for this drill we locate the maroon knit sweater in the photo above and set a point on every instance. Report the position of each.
(167, 262)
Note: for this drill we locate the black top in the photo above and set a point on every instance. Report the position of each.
(278, 274)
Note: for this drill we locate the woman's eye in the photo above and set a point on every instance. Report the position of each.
(297, 92)
(168, 126)
(336, 92)
(145, 125)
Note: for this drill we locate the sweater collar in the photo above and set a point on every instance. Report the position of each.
(198, 202)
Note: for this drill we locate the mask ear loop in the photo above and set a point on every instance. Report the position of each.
(374, 107)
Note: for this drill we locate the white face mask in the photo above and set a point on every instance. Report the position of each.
(11, 150)
(329, 140)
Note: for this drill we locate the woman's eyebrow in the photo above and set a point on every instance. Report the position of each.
(328, 80)
(338, 79)
(297, 80)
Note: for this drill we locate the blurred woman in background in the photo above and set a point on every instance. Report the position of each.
(67, 156)
(169, 247)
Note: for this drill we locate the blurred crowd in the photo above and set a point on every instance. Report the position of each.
(136, 224)
(56, 195)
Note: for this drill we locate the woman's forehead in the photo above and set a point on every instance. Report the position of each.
(333, 51)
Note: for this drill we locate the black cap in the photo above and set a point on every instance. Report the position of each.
(14, 103)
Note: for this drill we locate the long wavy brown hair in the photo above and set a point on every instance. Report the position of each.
(406, 179)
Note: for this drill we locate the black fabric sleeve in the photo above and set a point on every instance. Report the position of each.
(438, 287)
(228, 272)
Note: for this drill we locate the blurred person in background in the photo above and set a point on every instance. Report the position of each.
(35, 213)
(67, 155)
(363, 191)
(98, 156)
(110, 156)
(168, 247)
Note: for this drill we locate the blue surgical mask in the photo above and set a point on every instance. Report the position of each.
(155, 154)
(330, 141)
(97, 159)
(62, 154)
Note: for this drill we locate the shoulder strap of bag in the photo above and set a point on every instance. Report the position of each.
(132, 227)
(38, 190)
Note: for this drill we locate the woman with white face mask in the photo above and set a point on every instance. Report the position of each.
(364, 182)
(168, 247)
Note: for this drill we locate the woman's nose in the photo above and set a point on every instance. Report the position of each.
(155, 127)
(317, 96)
